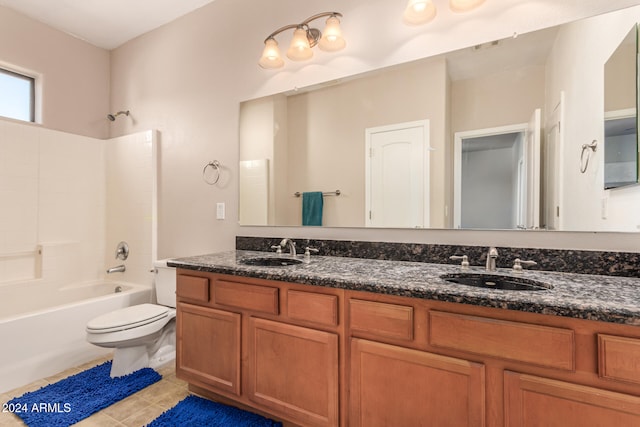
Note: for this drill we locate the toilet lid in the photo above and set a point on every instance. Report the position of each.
(127, 318)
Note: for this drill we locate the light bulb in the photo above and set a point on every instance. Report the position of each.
(464, 5)
(299, 50)
(271, 55)
(419, 12)
(332, 40)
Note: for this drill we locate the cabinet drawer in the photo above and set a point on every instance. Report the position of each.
(381, 319)
(312, 307)
(619, 358)
(192, 287)
(537, 345)
(249, 297)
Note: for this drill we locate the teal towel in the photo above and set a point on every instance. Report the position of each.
(312, 208)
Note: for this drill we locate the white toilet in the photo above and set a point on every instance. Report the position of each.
(143, 335)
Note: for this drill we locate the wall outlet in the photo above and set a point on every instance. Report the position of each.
(220, 211)
(604, 207)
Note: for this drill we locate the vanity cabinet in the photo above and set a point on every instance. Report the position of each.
(319, 356)
(267, 345)
(416, 362)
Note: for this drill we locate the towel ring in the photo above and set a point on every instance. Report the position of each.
(584, 164)
(215, 165)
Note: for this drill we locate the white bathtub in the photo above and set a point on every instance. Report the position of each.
(42, 327)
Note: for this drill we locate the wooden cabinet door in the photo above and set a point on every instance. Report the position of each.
(294, 371)
(208, 347)
(533, 401)
(396, 386)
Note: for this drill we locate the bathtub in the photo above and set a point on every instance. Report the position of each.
(42, 327)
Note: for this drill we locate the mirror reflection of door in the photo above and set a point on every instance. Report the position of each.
(397, 175)
(497, 177)
(620, 149)
(552, 177)
(620, 124)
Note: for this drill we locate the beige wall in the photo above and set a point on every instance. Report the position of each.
(327, 137)
(620, 78)
(187, 79)
(73, 75)
(500, 99)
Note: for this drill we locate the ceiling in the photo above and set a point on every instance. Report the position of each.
(104, 23)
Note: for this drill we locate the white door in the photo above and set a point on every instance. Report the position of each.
(552, 172)
(509, 196)
(397, 175)
(532, 157)
(488, 178)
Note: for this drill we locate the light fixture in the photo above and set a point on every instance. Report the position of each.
(304, 39)
(420, 12)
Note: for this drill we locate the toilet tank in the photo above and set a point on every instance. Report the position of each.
(165, 283)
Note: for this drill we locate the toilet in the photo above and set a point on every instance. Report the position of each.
(142, 335)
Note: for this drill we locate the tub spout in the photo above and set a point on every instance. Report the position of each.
(117, 269)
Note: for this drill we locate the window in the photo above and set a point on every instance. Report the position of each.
(17, 96)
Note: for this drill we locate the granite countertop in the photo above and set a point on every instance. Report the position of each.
(592, 297)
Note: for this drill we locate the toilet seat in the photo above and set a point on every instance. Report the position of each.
(128, 318)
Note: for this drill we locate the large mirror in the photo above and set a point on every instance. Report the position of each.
(452, 141)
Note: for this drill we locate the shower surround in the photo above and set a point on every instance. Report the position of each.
(78, 197)
(67, 200)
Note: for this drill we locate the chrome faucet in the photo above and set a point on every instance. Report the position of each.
(117, 269)
(292, 246)
(492, 255)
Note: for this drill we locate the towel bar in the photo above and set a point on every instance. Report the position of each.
(328, 193)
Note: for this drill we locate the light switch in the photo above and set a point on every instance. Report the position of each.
(220, 210)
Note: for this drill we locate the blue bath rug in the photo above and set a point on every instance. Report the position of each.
(196, 411)
(78, 396)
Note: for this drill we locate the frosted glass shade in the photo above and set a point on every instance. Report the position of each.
(464, 5)
(332, 40)
(271, 57)
(299, 50)
(419, 12)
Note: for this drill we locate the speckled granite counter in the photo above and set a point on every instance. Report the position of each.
(602, 298)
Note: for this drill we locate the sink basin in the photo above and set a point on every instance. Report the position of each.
(271, 261)
(495, 281)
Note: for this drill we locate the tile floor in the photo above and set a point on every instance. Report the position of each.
(136, 410)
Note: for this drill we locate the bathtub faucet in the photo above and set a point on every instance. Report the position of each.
(117, 269)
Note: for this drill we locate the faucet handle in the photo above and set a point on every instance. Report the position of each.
(309, 249)
(278, 249)
(122, 251)
(518, 263)
(465, 260)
